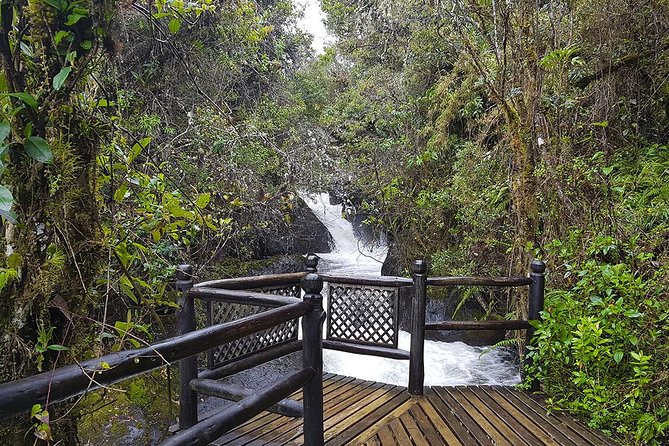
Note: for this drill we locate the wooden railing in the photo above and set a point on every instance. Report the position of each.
(535, 282)
(18, 397)
(357, 323)
(363, 313)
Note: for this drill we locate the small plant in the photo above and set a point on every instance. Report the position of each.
(43, 345)
(41, 426)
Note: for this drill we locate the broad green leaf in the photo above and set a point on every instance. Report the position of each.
(5, 130)
(25, 97)
(121, 192)
(137, 149)
(37, 408)
(71, 57)
(60, 35)
(618, 356)
(6, 276)
(203, 200)
(73, 19)
(61, 77)
(38, 149)
(25, 49)
(174, 25)
(6, 199)
(87, 44)
(58, 348)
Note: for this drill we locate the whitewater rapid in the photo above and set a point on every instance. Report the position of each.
(446, 363)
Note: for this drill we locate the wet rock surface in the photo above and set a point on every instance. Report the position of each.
(303, 234)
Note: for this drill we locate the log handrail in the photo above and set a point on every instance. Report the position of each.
(17, 397)
(479, 281)
(387, 281)
(242, 297)
(245, 283)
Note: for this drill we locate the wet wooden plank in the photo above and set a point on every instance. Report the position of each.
(386, 438)
(569, 427)
(484, 417)
(280, 433)
(366, 427)
(415, 433)
(369, 427)
(399, 432)
(468, 418)
(432, 426)
(358, 412)
(337, 432)
(505, 423)
(347, 403)
(447, 431)
(540, 428)
(261, 425)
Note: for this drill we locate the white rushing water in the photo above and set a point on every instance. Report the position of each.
(349, 255)
(446, 363)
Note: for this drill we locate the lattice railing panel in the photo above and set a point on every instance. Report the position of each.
(220, 312)
(362, 314)
(281, 290)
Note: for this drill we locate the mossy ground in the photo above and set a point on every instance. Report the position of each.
(137, 412)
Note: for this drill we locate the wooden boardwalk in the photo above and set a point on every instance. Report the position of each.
(361, 412)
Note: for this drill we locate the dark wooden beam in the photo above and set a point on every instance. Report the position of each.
(417, 360)
(217, 389)
(478, 325)
(372, 350)
(388, 281)
(245, 283)
(312, 358)
(242, 297)
(257, 358)
(479, 281)
(536, 306)
(213, 427)
(188, 366)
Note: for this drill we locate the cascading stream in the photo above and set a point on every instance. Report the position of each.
(446, 363)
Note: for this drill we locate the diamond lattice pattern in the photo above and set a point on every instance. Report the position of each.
(362, 314)
(226, 312)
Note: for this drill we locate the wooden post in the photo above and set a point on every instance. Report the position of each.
(312, 263)
(188, 366)
(536, 306)
(312, 357)
(417, 360)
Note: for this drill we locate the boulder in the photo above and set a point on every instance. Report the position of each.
(304, 234)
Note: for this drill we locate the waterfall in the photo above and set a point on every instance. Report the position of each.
(349, 254)
(446, 363)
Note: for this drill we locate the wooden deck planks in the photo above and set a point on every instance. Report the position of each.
(358, 412)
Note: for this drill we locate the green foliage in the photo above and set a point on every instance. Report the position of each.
(601, 348)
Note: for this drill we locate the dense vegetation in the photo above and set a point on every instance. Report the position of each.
(486, 133)
(478, 134)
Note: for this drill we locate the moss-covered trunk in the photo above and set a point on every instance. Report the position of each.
(54, 242)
